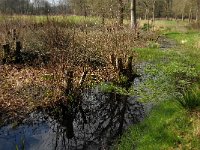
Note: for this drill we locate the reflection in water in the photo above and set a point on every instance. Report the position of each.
(92, 124)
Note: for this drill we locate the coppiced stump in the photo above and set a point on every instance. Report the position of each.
(129, 64)
(83, 77)
(69, 81)
(18, 52)
(113, 60)
(120, 65)
(6, 49)
(18, 48)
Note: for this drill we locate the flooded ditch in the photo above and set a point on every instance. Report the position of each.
(95, 123)
(88, 119)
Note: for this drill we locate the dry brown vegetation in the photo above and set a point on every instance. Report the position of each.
(79, 49)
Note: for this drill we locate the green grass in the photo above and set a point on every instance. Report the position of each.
(166, 25)
(191, 98)
(70, 20)
(190, 39)
(189, 46)
(164, 72)
(167, 127)
(173, 123)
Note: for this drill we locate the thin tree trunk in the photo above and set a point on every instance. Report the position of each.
(198, 7)
(182, 16)
(133, 14)
(148, 24)
(103, 19)
(153, 13)
(190, 15)
(85, 10)
(197, 17)
(121, 12)
(146, 12)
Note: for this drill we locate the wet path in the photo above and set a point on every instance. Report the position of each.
(166, 43)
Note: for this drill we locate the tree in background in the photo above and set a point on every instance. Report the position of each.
(121, 12)
(15, 6)
(133, 14)
(111, 9)
(198, 9)
(41, 7)
(179, 9)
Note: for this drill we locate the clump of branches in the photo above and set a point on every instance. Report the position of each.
(195, 25)
(80, 57)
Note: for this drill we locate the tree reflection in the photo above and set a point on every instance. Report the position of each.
(95, 122)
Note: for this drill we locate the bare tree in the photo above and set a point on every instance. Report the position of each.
(198, 10)
(121, 12)
(133, 14)
(153, 11)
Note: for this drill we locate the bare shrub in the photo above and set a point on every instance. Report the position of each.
(83, 49)
(195, 25)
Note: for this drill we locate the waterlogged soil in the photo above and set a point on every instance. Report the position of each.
(95, 123)
(166, 43)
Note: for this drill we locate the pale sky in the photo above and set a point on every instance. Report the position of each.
(51, 1)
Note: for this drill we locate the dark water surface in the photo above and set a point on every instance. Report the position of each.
(93, 124)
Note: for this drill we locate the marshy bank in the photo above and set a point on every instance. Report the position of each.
(59, 104)
(94, 124)
(47, 96)
(173, 82)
